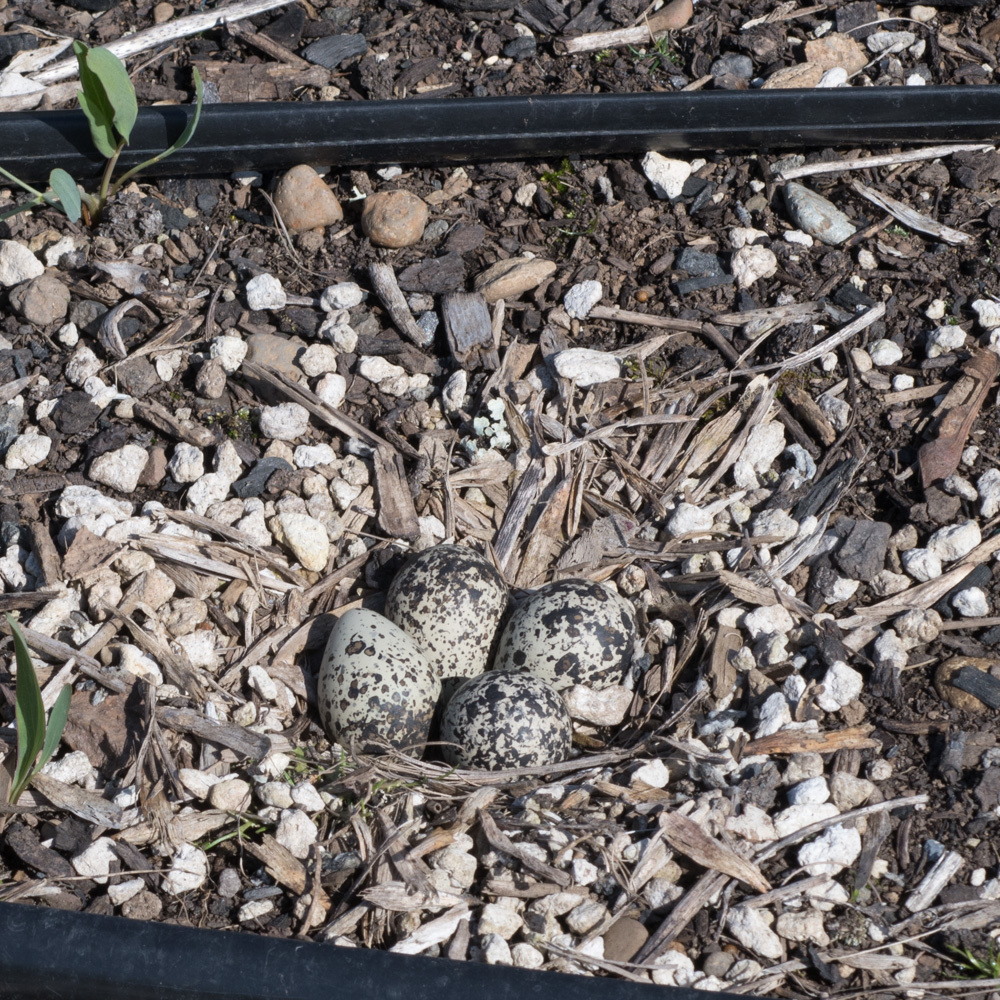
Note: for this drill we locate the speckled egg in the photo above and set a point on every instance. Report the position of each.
(569, 632)
(450, 600)
(503, 720)
(375, 684)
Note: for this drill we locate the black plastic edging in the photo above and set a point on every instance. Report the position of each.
(272, 136)
(51, 953)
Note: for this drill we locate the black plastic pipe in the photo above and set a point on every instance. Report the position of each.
(271, 136)
(50, 953)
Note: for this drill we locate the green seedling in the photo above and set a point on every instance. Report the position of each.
(107, 98)
(975, 966)
(36, 741)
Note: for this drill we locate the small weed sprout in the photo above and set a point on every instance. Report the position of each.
(107, 98)
(36, 741)
(975, 966)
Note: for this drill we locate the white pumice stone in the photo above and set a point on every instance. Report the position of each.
(922, 564)
(265, 292)
(971, 603)
(955, 540)
(667, 176)
(885, 352)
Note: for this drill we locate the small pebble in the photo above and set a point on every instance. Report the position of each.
(394, 218)
(304, 200)
(885, 352)
(666, 175)
(581, 298)
(265, 292)
(210, 382)
(817, 216)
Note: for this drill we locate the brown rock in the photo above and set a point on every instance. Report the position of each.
(210, 382)
(156, 467)
(672, 16)
(394, 218)
(162, 13)
(955, 696)
(511, 278)
(276, 352)
(42, 301)
(623, 939)
(836, 50)
(304, 201)
(793, 77)
(144, 905)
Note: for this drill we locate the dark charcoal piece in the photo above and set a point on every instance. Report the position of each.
(16, 42)
(75, 413)
(686, 285)
(254, 482)
(979, 684)
(434, 275)
(698, 263)
(335, 49)
(862, 554)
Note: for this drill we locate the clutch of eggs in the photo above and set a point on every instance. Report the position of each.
(383, 678)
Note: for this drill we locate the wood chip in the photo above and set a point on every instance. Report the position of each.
(397, 516)
(243, 741)
(469, 329)
(690, 840)
(855, 738)
(280, 863)
(501, 842)
(385, 286)
(939, 458)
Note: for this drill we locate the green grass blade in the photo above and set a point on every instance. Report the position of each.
(67, 192)
(57, 723)
(95, 104)
(113, 77)
(29, 711)
(185, 136)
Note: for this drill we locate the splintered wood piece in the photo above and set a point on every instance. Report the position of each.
(385, 286)
(808, 411)
(161, 419)
(855, 738)
(433, 932)
(90, 806)
(400, 898)
(689, 839)
(939, 458)
(226, 734)
(46, 553)
(722, 672)
(945, 869)
(499, 841)
(915, 220)
(469, 329)
(397, 516)
(280, 863)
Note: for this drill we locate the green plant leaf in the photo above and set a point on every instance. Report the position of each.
(113, 77)
(65, 189)
(29, 711)
(94, 103)
(182, 140)
(57, 723)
